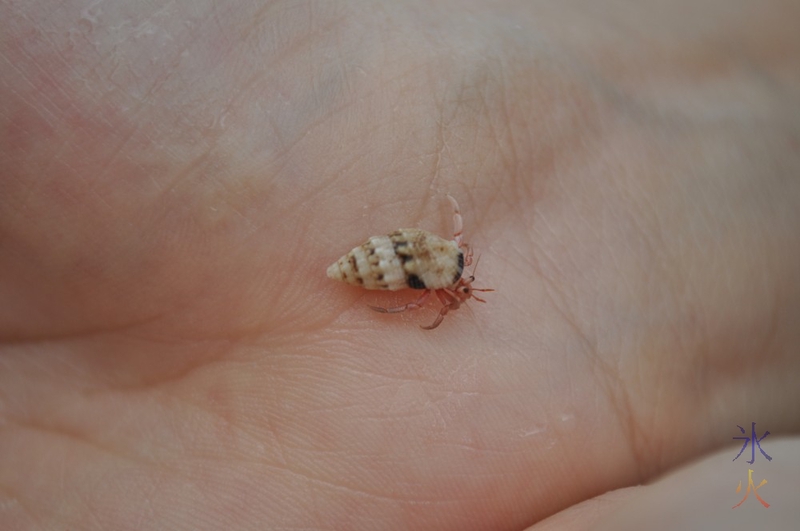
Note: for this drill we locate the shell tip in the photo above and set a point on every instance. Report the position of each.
(334, 271)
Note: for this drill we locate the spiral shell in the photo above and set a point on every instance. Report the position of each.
(406, 258)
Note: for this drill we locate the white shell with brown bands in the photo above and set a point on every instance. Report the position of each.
(406, 258)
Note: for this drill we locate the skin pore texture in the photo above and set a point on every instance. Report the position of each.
(176, 176)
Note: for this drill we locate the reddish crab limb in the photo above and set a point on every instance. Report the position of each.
(458, 227)
(448, 300)
(478, 298)
(410, 306)
(458, 222)
(451, 299)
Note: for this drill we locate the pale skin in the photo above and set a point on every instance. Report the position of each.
(174, 182)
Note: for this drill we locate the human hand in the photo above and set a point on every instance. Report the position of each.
(173, 184)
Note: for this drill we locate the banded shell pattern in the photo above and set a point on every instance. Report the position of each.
(406, 258)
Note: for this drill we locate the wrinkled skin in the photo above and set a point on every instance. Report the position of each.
(176, 177)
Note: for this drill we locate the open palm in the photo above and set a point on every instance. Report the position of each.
(174, 183)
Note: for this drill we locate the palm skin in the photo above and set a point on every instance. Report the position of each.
(175, 183)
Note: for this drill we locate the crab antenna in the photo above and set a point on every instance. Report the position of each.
(475, 267)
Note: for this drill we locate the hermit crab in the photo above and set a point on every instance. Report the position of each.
(415, 259)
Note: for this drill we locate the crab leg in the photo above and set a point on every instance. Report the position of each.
(448, 301)
(458, 228)
(410, 306)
